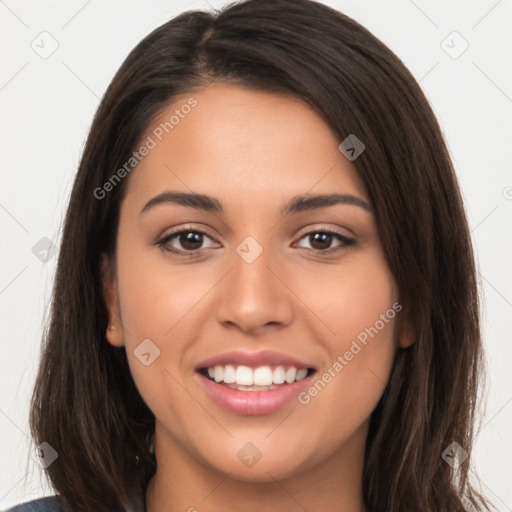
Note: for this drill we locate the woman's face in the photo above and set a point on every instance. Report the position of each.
(252, 289)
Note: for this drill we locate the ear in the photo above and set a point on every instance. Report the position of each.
(406, 329)
(114, 331)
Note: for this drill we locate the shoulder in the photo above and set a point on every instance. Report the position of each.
(47, 504)
(51, 504)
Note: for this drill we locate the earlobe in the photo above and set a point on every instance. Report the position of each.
(406, 331)
(114, 336)
(114, 331)
(404, 342)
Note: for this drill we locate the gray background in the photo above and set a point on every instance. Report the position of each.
(47, 104)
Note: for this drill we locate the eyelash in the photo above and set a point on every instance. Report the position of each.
(346, 242)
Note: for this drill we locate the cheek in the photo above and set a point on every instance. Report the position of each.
(343, 395)
(155, 296)
(366, 311)
(159, 302)
(351, 297)
(359, 303)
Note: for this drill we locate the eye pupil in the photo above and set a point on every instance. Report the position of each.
(325, 240)
(191, 240)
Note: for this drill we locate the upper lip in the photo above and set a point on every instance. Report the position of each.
(253, 360)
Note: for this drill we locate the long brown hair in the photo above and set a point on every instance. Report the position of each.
(85, 403)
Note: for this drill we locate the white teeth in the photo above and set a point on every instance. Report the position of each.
(279, 375)
(229, 374)
(301, 374)
(261, 376)
(218, 374)
(244, 376)
(291, 373)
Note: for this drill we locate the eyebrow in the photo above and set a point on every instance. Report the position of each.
(295, 205)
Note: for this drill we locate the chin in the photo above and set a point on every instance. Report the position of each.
(259, 462)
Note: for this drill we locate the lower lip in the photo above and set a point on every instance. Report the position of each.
(253, 402)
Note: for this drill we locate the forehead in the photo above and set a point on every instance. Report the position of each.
(232, 141)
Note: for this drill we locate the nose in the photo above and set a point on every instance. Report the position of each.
(254, 296)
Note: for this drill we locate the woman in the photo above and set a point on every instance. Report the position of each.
(265, 296)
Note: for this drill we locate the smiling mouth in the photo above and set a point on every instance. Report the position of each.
(262, 378)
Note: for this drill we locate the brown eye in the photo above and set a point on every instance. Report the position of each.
(190, 240)
(322, 241)
(186, 242)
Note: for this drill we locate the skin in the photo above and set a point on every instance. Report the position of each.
(253, 151)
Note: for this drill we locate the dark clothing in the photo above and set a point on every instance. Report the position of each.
(48, 504)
